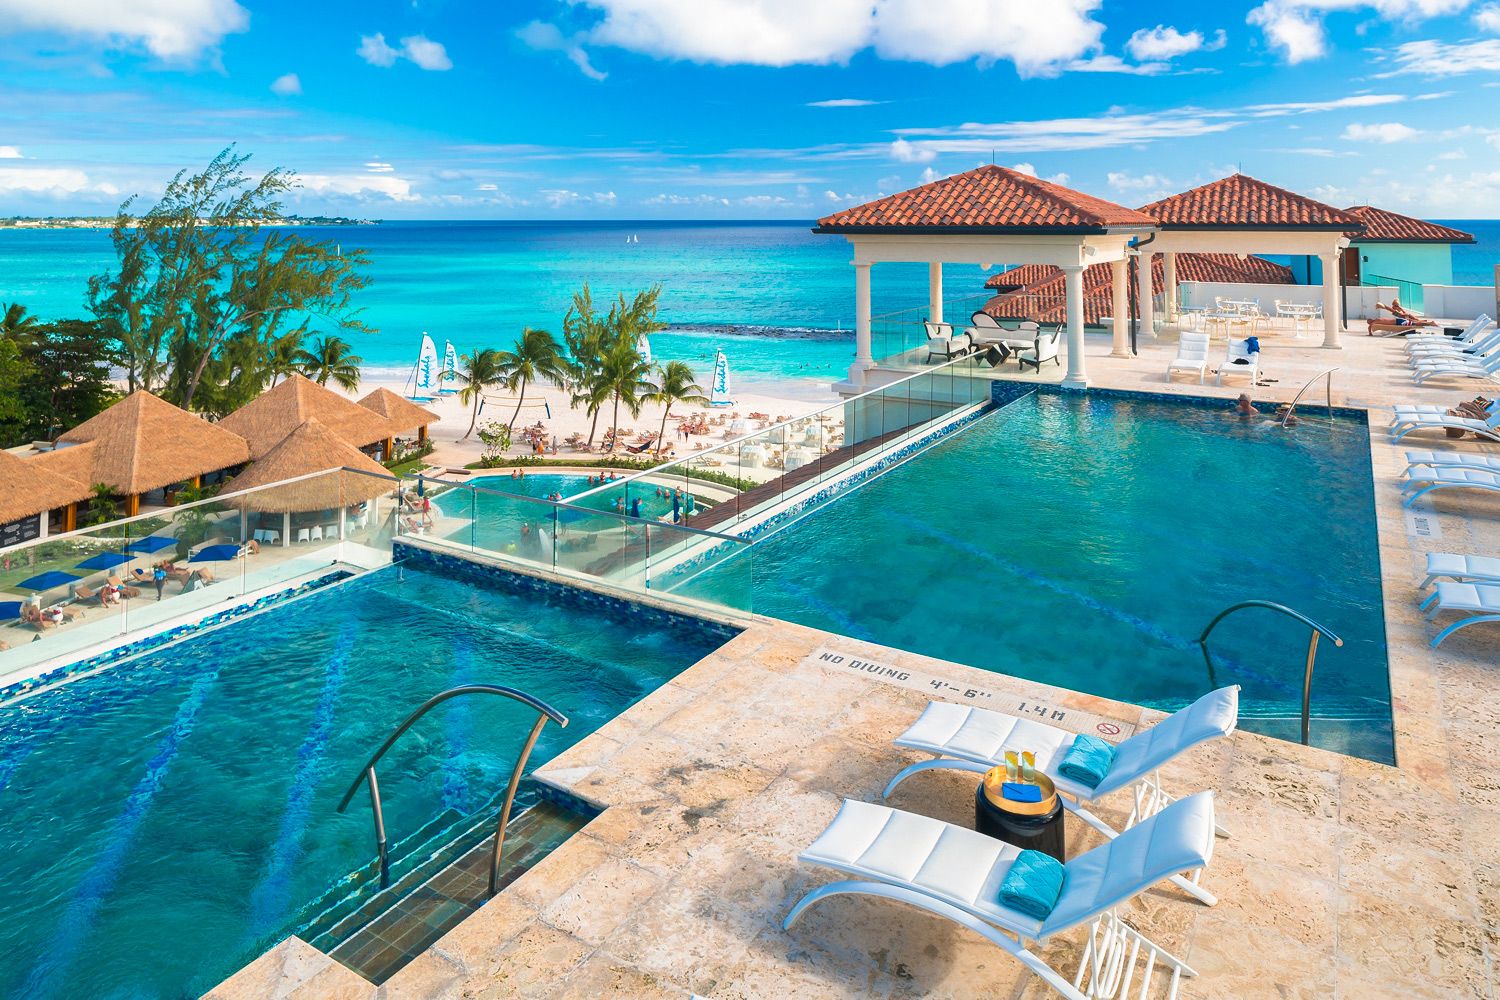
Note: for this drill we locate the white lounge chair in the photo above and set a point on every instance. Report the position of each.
(1192, 355)
(943, 342)
(1484, 368)
(965, 738)
(1044, 348)
(1432, 421)
(956, 874)
(1430, 334)
(1454, 348)
(1403, 410)
(1450, 460)
(1448, 478)
(1461, 569)
(1239, 360)
(1480, 601)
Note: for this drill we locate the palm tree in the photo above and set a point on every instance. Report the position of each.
(537, 356)
(102, 505)
(675, 385)
(281, 356)
(330, 358)
(15, 324)
(622, 376)
(478, 371)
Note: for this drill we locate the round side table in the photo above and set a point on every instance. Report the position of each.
(1036, 826)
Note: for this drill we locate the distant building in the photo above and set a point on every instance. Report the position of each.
(1400, 249)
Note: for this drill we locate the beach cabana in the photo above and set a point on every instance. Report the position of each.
(275, 413)
(28, 493)
(141, 444)
(311, 448)
(402, 414)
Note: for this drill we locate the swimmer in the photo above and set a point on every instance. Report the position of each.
(1243, 408)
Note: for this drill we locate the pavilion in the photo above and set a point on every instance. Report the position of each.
(139, 445)
(28, 495)
(401, 413)
(275, 413)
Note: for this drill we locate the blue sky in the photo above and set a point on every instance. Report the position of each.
(746, 108)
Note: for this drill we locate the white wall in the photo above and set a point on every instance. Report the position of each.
(1360, 298)
(1457, 301)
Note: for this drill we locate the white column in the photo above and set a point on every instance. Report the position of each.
(1073, 280)
(1331, 301)
(935, 291)
(286, 529)
(1143, 292)
(863, 359)
(1169, 279)
(1120, 306)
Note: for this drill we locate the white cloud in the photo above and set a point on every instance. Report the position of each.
(378, 167)
(362, 187)
(546, 37)
(9, 153)
(1434, 58)
(1166, 42)
(1122, 181)
(1024, 168)
(171, 30)
(1105, 63)
(843, 102)
(1039, 38)
(1487, 18)
(1336, 104)
(286, 85)
(1296, 26)
(418, 49)
(1386, 132)
(929, 175)
(907, 152)
(489, 187)
(54, 182)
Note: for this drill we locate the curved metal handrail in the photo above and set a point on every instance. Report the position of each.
(1308, 385)
(367, 773)
(1315, 630)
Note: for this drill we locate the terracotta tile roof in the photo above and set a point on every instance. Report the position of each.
(1390, 227)
(990, 199)
(1242, 202)
(1044, 300)
(1022, 276)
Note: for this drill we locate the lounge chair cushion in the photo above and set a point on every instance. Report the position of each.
(1481, 598)
(1032, 884)
(1484, 569)
(979, 734)
(1211, 717)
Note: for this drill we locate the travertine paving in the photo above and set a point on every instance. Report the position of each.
(1342, 878)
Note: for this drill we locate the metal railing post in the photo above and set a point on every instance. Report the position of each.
(1307, 675)
(510, 798)
(1308, 385)
(380, 841)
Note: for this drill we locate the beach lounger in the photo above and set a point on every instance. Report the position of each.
(1484, 368)
(1192, 355)
(1450, 460)
(1474, 329)
(1441, 421)
(1479, 346)
(1480, 601)
(1402, 410)
(964, 738)
(1460, 569)
(1449, 478)
(956, 874)
(1239, 360)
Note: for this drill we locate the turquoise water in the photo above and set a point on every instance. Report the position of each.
(1087, 541)
(169, 819)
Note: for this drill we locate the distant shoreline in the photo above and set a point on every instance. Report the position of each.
(108, 222)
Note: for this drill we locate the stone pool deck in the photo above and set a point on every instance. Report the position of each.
(1342, 878)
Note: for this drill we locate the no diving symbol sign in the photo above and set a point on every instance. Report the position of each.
(1108, 729)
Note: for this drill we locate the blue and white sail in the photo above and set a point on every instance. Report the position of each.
(425, 376)
(450, 368)
(643, 348)
(718, 394)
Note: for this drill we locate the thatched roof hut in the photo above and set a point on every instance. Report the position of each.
(403, 414)
(143, 443)
(278, 411)
(308, 449)
(27, 488)
(73, 461)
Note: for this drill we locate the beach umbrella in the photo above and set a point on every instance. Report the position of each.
(421, 491)
(105, 560)
(9, 610)
(215, 553)
(151, 543)
(46, 581)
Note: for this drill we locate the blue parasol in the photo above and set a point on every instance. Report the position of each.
(215, 553)
(151, 543)
(46, 581)
(104, 560)
(9, 610)
(421, 490)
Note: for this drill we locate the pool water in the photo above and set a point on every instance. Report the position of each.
(1086, 541)
(169, 819)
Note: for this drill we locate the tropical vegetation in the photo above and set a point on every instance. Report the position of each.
(329, 358)
(604, 360)
(536, 357)
(53, 376)
(674, 384)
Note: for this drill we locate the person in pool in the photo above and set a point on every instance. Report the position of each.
(1244, 409)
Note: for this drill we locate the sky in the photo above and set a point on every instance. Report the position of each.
(745, 109)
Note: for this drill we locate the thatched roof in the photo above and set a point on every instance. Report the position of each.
(308, 449)
(143, 443)
(73, 461)
(400, 411)
(27, 488)
(275, 413)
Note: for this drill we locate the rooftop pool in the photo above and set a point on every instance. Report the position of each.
(1086, 540)
(170, 818)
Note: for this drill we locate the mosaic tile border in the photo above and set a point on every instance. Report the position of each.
(464, 567)
(162, 638)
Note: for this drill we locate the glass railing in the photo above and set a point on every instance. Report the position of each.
(1410, 292)
(899, 339)
(64, 596)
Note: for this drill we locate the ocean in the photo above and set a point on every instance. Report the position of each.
(778, 299)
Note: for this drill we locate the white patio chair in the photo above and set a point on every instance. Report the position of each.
(965, 738)
(1192, 355)
(1239, 360)
(1448, 478)
(955, 873)
(1044, 348)
(316, 533)
(1460, 569)
(1405, 424)
(1480, 601)
(1484, 368)
(942, 342)
(303, 534)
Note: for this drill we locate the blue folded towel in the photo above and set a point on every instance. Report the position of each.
(1088, 761)
(1252, 345)
(1015, 791)
(1033, 884)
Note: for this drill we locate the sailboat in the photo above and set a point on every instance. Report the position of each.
(643, 348)
(450, 368)
(718, 394)
(423, 382)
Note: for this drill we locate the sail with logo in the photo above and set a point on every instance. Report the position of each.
(424, 377)
(450, 368)
(718, 394)
(643, 348)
